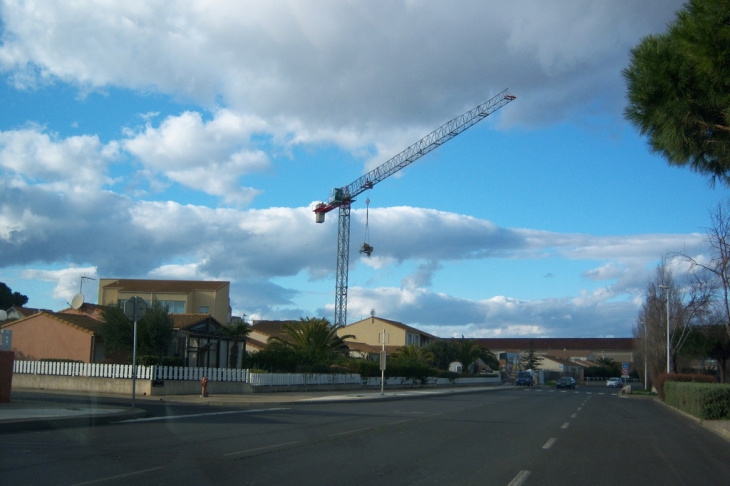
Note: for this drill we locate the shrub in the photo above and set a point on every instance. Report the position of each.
(365, 368)
(703, 400)
(416, 371)
(664, 377)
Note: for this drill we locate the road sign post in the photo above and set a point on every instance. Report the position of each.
(135, 309)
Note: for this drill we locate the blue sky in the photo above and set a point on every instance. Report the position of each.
(190, 140)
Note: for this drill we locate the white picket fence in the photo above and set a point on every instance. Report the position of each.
(95, 370)
(276, 379)
(180, 373)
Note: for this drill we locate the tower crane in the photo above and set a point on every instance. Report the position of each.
(343, 197)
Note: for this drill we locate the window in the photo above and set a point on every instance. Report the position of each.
(203, 309)
(174, 306)
(413, 339)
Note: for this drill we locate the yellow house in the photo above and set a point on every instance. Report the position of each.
(180, 296)
(368, 334)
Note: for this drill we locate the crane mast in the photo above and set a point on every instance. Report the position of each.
(343, 197)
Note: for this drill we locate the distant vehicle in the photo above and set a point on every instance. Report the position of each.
(615, 383)
(566, 382)
(524, 378)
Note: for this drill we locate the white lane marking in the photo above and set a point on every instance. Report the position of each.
(400, 422)
(520, 478)
(260, 448)
(549, 443)
(580, 408)
(565, 425)
(209, 414)
(349, 432)
(119, 476)
(573, 416)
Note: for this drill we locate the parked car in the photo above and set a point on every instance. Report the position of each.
(615, 383)
(566, 382)
(524, 378)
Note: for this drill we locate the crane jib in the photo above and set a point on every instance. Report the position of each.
(342, 197)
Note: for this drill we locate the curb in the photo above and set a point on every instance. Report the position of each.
(713, 426)
(52, 423)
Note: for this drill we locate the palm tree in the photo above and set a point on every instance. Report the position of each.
(412, 354)
(237, 332)
(607, 362)
(312, 340)
(468, 351)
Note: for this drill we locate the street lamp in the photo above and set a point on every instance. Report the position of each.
(646, 373)
(666, 287)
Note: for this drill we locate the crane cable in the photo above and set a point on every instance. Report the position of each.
(366, 248)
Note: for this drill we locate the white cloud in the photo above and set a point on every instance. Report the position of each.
(209, 156)
(68, 282)
(292, 61)
(73, 164)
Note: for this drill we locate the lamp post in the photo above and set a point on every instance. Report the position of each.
(666, 287)
(646, 372)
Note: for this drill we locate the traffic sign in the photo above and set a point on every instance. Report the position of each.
(135, 308)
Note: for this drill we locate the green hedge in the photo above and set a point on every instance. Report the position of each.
(703, 400)
(666, 377)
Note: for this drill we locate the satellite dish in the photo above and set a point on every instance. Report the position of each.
(3, 315)
(77, 301)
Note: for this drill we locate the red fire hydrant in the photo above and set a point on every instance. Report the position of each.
(204, 385)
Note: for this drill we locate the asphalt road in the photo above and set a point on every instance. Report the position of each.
(530, 436)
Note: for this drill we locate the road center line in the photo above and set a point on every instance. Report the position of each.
(247, 451)
(119, 476)
(580, 408)
(520, 478)
(565, 425)
(573, 416)
(549, 443)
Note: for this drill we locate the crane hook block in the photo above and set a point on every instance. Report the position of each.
(367, 249)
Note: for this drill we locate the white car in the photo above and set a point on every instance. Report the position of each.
(615, 383)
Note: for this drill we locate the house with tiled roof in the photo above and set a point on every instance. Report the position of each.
(180, 296)
(18, 312)
(50, 335)
(73, 334)
(368, 340)
(262, 330)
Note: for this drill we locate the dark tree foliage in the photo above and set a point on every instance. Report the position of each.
(154, 330)
(116, 331)
(712, 342)
(237, 333)
(679, 89)
(157, 330)
(8, 298)
(444, 352)
(530, 360)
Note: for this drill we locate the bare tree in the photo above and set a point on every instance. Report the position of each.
(690, 300)
(718, 239)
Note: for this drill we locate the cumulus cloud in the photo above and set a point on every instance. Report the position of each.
(69, 282)
(210, 156)
(73, 164)
(383, 64)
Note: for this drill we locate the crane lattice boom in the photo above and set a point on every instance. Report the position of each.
(342, 197)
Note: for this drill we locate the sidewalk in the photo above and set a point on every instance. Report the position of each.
(41, 414)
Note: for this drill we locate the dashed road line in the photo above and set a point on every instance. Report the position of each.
(119, 476)
(520, 478)
(248, 451)
(565, 425)
(549, 443)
